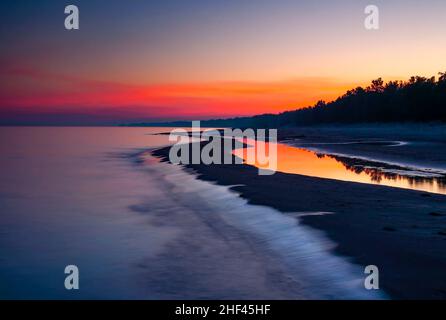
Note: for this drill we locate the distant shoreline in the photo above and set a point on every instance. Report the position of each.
(226, 123)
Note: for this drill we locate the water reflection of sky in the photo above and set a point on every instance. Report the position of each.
(305, 162)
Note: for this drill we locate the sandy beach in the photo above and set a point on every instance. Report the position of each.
(403, 232)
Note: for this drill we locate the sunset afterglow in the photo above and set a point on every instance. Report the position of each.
(146, 61)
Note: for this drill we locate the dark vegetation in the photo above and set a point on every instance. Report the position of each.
(419, 99)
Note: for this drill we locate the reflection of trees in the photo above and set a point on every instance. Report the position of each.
(378, 171)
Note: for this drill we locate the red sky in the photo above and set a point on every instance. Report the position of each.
(46, 92)
(199, 59)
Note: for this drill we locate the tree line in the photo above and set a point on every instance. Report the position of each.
(418, 99)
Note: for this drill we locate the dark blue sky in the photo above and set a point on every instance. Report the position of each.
(186, 59)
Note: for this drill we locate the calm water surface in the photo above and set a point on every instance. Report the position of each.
(138, 228)
(296, 160)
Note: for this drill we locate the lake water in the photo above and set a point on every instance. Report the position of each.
(297, 160)
(138, 228)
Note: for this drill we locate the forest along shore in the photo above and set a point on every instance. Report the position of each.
(403, 232)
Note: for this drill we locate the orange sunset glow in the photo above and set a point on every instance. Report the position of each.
(205, 152)
(308, 163)
(187, 99)
(146, 63)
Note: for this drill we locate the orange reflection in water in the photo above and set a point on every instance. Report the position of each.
(304, 162)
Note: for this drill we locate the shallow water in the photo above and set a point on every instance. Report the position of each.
(65, 196)
(298, 160)
(138, 228)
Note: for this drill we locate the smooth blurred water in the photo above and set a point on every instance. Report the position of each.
(65, 195)
(138, 228)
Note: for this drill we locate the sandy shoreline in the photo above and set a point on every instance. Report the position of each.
(400, 231)
(226, 249)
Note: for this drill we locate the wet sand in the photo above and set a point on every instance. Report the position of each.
(413, 145)
(225, 249)
(403, 232)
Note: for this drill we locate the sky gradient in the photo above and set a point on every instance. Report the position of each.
(171, 60)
